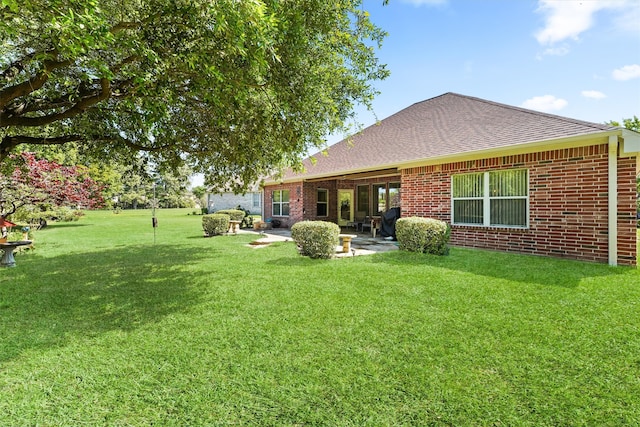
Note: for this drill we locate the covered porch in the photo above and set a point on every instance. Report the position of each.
(356, 202)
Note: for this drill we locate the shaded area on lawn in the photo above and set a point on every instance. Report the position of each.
(85, 294)
(514, 267)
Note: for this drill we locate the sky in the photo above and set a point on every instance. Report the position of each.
(578, 59)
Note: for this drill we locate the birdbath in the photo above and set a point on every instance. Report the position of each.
(8, 248)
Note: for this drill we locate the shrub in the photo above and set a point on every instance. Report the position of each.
(234, 214)
(35, 214)
(215, 224)
(316, 239)
(426, 235)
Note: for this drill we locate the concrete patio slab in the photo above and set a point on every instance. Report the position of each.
(363, 244)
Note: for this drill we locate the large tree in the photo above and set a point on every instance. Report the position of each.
(236, 88)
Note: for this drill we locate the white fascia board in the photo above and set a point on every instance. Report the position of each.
(524, 148)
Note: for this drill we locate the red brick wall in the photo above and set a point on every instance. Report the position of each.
(295, 203)
(310, 201)
(568, 199)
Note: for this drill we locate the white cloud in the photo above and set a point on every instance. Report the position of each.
(627, 72)
(628, 21)
(425, 2)
(567, 19)
(557, 51)
(546, 103)
(593, 94)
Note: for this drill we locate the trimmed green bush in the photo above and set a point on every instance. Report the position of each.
(316, 239)
(426, 235)
(234, 214)
(215, 224)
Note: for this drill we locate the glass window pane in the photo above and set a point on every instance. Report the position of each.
(467, 211)
(394, 194)
(285, 209)
(322, 196)
(508, 183)
(468, 185)
(363, 199)
(285, 196)
(509, 212)
(277, 196)
(380, 198)
(276, 209)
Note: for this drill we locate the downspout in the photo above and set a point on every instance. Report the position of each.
(613, 200)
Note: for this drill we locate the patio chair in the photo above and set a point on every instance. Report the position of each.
(363, 221)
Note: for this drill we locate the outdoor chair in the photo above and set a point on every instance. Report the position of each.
(364, 222)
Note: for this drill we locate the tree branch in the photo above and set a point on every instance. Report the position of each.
(9, 142)
(134, 145)
(16, 67)
(120, 26)
(80, 107)
(34, 83)
(63, 101)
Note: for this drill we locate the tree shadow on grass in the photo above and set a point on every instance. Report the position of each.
(53, 226)
(500, 265)
(44, 302)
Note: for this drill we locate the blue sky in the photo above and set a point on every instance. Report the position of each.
(578, 59)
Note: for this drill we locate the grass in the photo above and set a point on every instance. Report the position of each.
(100, 326)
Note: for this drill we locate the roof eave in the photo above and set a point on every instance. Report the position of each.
(524, 148)
(631, 146)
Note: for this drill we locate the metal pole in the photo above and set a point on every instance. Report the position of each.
(154, 221)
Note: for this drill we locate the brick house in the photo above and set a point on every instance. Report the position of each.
(504, 177)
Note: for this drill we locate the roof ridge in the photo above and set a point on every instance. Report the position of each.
(599, 126)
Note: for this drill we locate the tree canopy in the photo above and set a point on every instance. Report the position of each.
(27, 181)
(630, 123)
(236, 89)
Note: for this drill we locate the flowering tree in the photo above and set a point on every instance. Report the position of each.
(34, 182)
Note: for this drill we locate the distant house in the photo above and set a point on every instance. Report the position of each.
(504, 177)
(252, 201)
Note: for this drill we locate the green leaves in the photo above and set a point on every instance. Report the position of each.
(12, 5)
(236, 89)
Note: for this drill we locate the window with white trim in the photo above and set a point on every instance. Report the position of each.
(280, 203)
(322, 202)
(495, 198)
(255, 198)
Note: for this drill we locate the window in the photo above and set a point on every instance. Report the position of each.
(280, 204)
(322, 203)
(362, 194)
(255, 198)
(498, 198)
(394, 194)
(380, 198)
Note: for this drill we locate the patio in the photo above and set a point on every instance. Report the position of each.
(363, 244)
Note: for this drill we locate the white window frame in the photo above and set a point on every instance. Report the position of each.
(281, 203)
(255, 200)
(487, 199)
(326, 202)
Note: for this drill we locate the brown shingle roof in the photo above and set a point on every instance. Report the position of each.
(447, 125)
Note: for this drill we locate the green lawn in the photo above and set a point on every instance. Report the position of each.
(100, 326)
